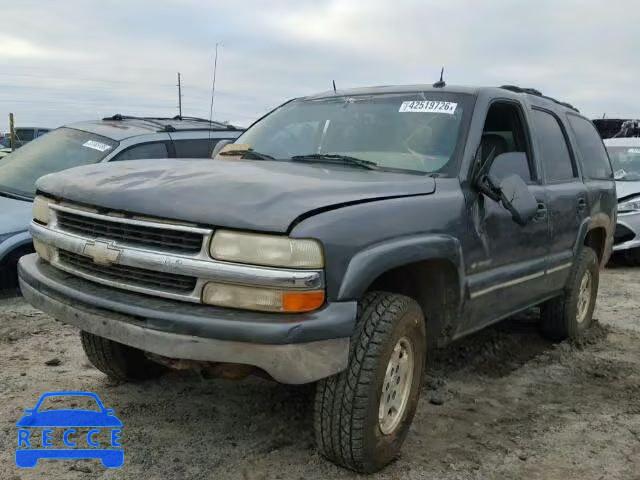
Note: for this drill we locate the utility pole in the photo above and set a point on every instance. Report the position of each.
(12, 132)
(179, 96)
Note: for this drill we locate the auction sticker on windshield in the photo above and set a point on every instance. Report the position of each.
(101, 147)
(428, 106)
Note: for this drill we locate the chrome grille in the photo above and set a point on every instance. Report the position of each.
(128, 276)
(133, 234)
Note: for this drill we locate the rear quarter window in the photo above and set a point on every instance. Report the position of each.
(595, 161)
(195, 148)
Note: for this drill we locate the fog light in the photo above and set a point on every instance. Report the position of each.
(262, 299)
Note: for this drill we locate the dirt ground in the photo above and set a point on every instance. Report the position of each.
(502, 404)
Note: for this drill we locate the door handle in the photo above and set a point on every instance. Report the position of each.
(582, 203)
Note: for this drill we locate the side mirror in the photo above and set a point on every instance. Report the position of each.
(516, 197)
(219, 146)
(501, 179)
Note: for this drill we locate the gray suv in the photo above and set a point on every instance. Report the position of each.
(342, 237)
(112, 139)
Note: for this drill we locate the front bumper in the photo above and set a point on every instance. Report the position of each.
(627, 231)
(300, 348)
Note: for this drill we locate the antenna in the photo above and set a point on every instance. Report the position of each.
(213, 91)
(334, 86)
(440, 83)
(179, 96)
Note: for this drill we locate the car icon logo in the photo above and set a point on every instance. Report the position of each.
(80, 433)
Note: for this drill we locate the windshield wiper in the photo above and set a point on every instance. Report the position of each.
(251, 154)
(337, 158)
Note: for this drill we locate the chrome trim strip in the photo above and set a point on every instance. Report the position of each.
(193, 266)
(510, 283)
(132, 221)
(559, 267)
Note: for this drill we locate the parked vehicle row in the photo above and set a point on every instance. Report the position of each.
(113, 139)
(340, 238)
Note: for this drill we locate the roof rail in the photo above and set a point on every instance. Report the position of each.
(538, 93)
(166, 127)
(154, 121)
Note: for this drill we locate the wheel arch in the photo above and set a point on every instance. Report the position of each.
(428, 269)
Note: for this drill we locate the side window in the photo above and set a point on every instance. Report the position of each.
(144, 150)
(25, 134)
(595, 162)
(196, 148)
(504, 132)
(556, 158)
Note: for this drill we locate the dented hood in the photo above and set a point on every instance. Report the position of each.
(243, 194)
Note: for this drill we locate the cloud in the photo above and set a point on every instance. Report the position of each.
(77, 59)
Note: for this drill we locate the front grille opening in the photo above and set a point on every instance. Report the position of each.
(622, 234)
(139, 277)
(137, 235)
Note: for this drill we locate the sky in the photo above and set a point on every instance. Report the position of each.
(70, 60)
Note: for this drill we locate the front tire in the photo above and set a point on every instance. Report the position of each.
(119, 361)
(570, 314)
(363, 414)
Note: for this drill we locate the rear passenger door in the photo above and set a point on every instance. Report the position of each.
(597, 175)
(566, 194)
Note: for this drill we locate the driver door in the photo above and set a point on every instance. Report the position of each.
(506, 262)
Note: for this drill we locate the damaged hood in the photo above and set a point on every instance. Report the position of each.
(243, 194)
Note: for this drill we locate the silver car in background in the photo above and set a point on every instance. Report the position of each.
(625, 159)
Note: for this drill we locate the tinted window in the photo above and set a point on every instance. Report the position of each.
(556, 158)
(595, 162)
(197, 148)
(24, 135)
(58, 150)
(145, 150)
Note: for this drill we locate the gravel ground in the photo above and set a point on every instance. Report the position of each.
(501, 404)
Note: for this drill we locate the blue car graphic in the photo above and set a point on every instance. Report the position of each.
(27, 457)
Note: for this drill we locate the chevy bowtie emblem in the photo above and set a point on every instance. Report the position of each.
(102, 253)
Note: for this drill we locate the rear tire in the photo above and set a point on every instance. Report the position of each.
(570, 314)
(363, 414)
(118, 361)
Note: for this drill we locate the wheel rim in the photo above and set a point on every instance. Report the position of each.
(396, 387)
(584, 297)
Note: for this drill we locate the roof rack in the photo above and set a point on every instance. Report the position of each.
(166, 127)
(538, 93)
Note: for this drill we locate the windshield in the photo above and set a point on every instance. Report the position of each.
(416, 131)
(57, 150)
(625, 162)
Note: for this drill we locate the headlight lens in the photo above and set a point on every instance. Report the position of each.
(271, 250)
(631, 205)
(263, 299)
(41, 208)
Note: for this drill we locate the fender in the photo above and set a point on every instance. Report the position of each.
(589, 223)
(17, 240)
(372, 262)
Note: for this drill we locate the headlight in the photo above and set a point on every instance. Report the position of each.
(631, 205)
(263, 299)
(271, 250)
(41, 208)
